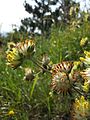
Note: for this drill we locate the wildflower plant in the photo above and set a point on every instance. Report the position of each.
(64, 80)
(66, 77)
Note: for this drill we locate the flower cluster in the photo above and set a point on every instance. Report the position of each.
(81, 109)
(11, 113)
(14, 59)
(86, 76)
(17, 52)
(74, 10)
(63, 76)
(83, 42)
(86, 60)
(86, 73)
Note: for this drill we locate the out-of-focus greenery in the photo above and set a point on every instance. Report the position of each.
(34, 100)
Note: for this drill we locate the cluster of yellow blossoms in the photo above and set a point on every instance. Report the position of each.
(81, 109)
(74, 10)
(11, 113)
(86, 60)
(16, 53)
(86, 73)
(13, 57)
(83, 42)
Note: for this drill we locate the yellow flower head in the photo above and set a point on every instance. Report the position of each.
(86, 60)
(81, 108)
(83, 42)
(13, 57)
(11, 113)
(81, 104)
(86, 86)
(82, 59)
(86, 74)
(87, 54)
(18, 52)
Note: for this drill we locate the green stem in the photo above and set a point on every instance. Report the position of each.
(33, 86)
